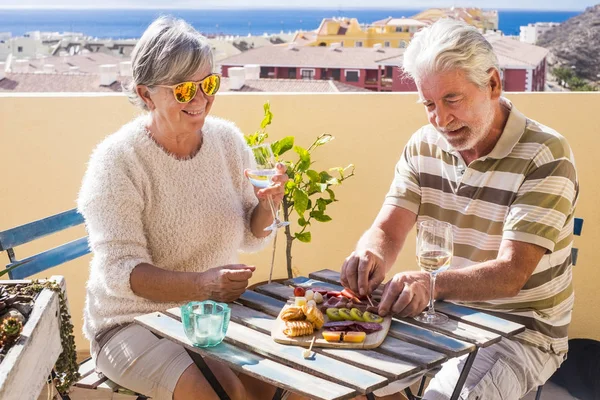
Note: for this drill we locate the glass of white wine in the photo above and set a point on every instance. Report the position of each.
(434, 254)
(260, 176)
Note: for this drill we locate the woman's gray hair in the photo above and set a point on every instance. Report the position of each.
(170, 51)
(447, 45)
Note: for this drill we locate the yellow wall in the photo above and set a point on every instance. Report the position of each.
(368, 40)
(46, 140)
(355, 33)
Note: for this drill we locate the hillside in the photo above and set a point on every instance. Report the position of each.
(576, 42)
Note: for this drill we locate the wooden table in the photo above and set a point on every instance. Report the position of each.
(410, 349)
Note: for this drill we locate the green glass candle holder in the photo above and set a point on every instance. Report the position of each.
(205, 322)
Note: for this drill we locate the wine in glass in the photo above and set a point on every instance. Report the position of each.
(260, 176)
(434, 254)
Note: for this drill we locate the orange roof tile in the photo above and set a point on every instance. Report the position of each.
(515, 53)
(316, 57)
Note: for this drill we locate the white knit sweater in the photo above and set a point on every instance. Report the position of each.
(142, 205)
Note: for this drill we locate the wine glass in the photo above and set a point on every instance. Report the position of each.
(434, 254)
(260, 176)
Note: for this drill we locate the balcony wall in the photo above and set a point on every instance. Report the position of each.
(46, 140)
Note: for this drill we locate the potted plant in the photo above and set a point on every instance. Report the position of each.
(36, 336)
(308, 192)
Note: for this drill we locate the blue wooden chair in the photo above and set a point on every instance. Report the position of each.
(11, 238)
(23, 268)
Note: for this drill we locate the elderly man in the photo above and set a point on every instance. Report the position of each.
(508, 186)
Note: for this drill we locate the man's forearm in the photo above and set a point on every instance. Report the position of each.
(376, 240)
(388, 233)
(481, 282)
(502, 277)
(160, 285)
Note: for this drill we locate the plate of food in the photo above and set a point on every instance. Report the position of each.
(333, 319)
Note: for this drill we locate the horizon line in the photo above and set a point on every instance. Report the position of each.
(276, 8)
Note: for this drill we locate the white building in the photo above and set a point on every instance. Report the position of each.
(532, 32)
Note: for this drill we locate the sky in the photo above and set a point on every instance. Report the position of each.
(328, 4)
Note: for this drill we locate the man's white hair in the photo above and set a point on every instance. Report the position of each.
(448, 45)
(170, 51)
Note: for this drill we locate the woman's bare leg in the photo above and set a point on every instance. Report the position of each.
(192, 385)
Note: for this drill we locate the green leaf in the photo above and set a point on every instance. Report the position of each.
(313, 175)
(319, 216)
(302, 221)
(283, 145)
(322, 204)
(342, 171)
(313, 188)
(303, 237)
(325, 138)
(266, 121)
(289, 185)
(325, 176)
(301, 201)
(304, 163)
(331, 194)
(268, 116)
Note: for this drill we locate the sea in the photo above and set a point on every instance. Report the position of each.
(131, 23)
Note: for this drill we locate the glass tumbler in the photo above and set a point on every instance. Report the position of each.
(205, 322)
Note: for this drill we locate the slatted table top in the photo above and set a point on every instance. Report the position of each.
(409, 349)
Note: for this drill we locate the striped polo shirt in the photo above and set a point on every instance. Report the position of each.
(525, 189)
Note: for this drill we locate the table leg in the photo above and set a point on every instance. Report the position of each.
(422, 386)
(208, 374)
(370, 396)
(279, 394)
(463, 375)
(409, 394)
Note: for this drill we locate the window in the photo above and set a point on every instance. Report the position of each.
(292, 73)
(335, 74)
(20, 49)
(402, 44)
(267, 72)
(352, 75)
(386, 44)
(398, 29)
(307, 73)
(389, 71)
(358, 44)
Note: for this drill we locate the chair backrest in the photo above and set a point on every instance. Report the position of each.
(579, 373)
(11, 238)
(577, 228)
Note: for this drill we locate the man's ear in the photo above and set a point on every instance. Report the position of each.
(144, 93)
(495, 83)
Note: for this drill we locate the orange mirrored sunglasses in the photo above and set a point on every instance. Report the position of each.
(185, 92)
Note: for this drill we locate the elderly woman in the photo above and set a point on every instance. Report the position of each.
(167, 208)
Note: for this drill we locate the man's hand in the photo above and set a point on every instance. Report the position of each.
(362, 272)
(226, 283)
(406, 294)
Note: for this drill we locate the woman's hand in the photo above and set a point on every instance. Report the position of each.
(276, 190)
(226, 283)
